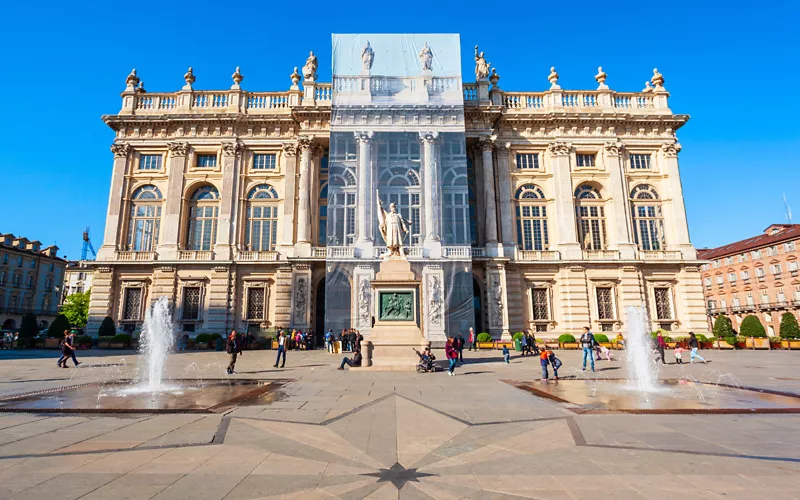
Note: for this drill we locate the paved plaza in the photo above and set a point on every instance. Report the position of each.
(361, 434)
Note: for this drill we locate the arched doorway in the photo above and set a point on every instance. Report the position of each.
(319, 317)
(9, 324)
(476, 304)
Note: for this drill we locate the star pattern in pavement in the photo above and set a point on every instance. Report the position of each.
(398, 475)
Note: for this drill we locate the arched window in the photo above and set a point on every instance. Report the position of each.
(531, 218)
(399, 183)
(648, 223)
(203, 213)
(261, 229)
(590, 216)
(145, 219)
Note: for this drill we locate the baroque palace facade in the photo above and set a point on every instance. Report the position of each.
(219, 201)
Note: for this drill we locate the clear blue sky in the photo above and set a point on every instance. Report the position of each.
(733, 66)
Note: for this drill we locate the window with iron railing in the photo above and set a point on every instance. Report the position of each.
(255, 303)
(539, 304)
(191, 303)
(133, 303)
(605, 303)
(663, 303)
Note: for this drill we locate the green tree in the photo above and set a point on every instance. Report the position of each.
(107, 328)
(29, 327)
(76, 308)
(789, 328)
(57, 327)
(752, 327)
(723, 327)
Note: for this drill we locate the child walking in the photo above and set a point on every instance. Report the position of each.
(679, 354)
(506, 354)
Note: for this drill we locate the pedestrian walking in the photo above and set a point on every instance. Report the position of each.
(587, 343)
(281, 350)
(694, 345)
(523, 341)
(67, 351)
(472, 345)
(452, 356)
(234, 349)
(661, 344)
(532, 347)
(460, 347)
(679, 354)
(328, 340)
(506, 354)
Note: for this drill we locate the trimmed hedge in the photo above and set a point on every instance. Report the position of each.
(203, 338)
(214, 337)
(752, 327)
(83, 340)
(107, 328)
(121, 337)
(601, 337)
(57, 327)
(518, 335)
(701, 337)
(566, 338)
(789, 328)
(723, 327)
(105, 338)
(484, 337)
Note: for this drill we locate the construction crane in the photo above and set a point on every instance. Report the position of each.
(87, 245)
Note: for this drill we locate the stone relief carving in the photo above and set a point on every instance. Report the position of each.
(289, 148)
(178, 148)
(310, 67)
(367, 56)
(436, 301)
(559, 148)
(613, 148)
(300, 300)
(481, 66)
(120, 149)
(397, 306)
(364, 302)
(671, 150)
(232, 149)
(496, 301)
(426, 57)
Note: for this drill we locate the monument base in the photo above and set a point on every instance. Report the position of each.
(392, 341)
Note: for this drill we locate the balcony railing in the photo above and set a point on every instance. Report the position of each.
(319, 253)
(341, 252)
(457, 252)
(257, 256)
(195, 255)
(537, 255)
(136, 256)
(600, 255)
(660, 254)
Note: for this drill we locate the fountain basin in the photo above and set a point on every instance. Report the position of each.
(673, 396)
(124, 396)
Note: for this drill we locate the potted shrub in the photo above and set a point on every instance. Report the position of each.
(789, 332)
(120, 341)
(702, 341)
(603, 340)
(567, 341)
(104, 342)
(485, 341)
(83, 342)
(754, 333)
(518, 341)
(723, 329)
(775, 342)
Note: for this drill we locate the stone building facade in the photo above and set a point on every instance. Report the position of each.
(758, 275)
(30, 281)
(218, 201)
(77, 279)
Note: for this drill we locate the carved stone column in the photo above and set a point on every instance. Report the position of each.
(567, 234)
(497, 301)
(301, 296)
(433, 303)
(303, 248)
(504, 191)
(114, 219)
(289, 157)
(490, 209)
(622, 240)
(171, 220)
(363, 297)
(678, 234)
(364, 198)
(232, 153)
(431, 193)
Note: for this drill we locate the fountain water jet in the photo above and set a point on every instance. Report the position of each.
(639, 353)
(155, 343)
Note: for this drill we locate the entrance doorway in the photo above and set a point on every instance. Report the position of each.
(9, 324)
(476, 305)
(319, 314)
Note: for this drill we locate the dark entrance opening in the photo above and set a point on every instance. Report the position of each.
(319, 314)
(476, 304)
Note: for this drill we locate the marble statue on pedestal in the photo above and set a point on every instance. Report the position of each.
(426, 57)
(481, 66)
(310, 67)
(393, 227)
(367, 56)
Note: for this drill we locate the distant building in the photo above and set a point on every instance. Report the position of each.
(77, 279)
(30, 281)
(757, 276)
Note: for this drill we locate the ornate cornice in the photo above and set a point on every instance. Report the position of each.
(559, 148)
(120, 149)
(178, 148)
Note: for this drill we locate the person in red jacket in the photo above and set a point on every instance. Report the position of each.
(452, 355)
(661, 344)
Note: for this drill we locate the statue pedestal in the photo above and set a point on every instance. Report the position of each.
(396, 332)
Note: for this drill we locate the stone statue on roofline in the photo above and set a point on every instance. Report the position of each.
(367, 56)
(310, 67)
(426, 58)
(481, 66)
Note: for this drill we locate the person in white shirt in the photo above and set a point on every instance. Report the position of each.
(281, 350)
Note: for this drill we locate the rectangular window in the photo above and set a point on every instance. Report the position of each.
(788, 247)
(640, 162)
(52, 267)
(764, 298)
(756, 254)
(749, 299)
(770, 251)
(264, 161)
(745, 275)
(605, 303)
(584, 160)
(708, 281)
(663, 308)
(528, 161)
(775, 269)
(792, 265)
(33, 264)
(760, 272)
(19, 261)
(191, 303)
(732, 277)
(728, 261)
(150, 162)
(781, 295)
(723, 304)
(541, 328)
(716, 264)
(539, 304)
(133, 304)
(255, 303)
(206, 161)
(720, 280)
(5, 258)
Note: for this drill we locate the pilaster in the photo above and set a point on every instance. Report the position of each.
(301, 296)
(232, 153)
(497, 301)
(101, 300)
(283, 297)
(171, 218)
(431, 193)
(679, 227)
(433, 303)
(622, 240)
(220, 298)
(486, 145)
(573, 310)
(114, 221)
(303, 247)
(289, 159)
(364, 199)
(567, 236)
(363, 297)
(504, 187)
